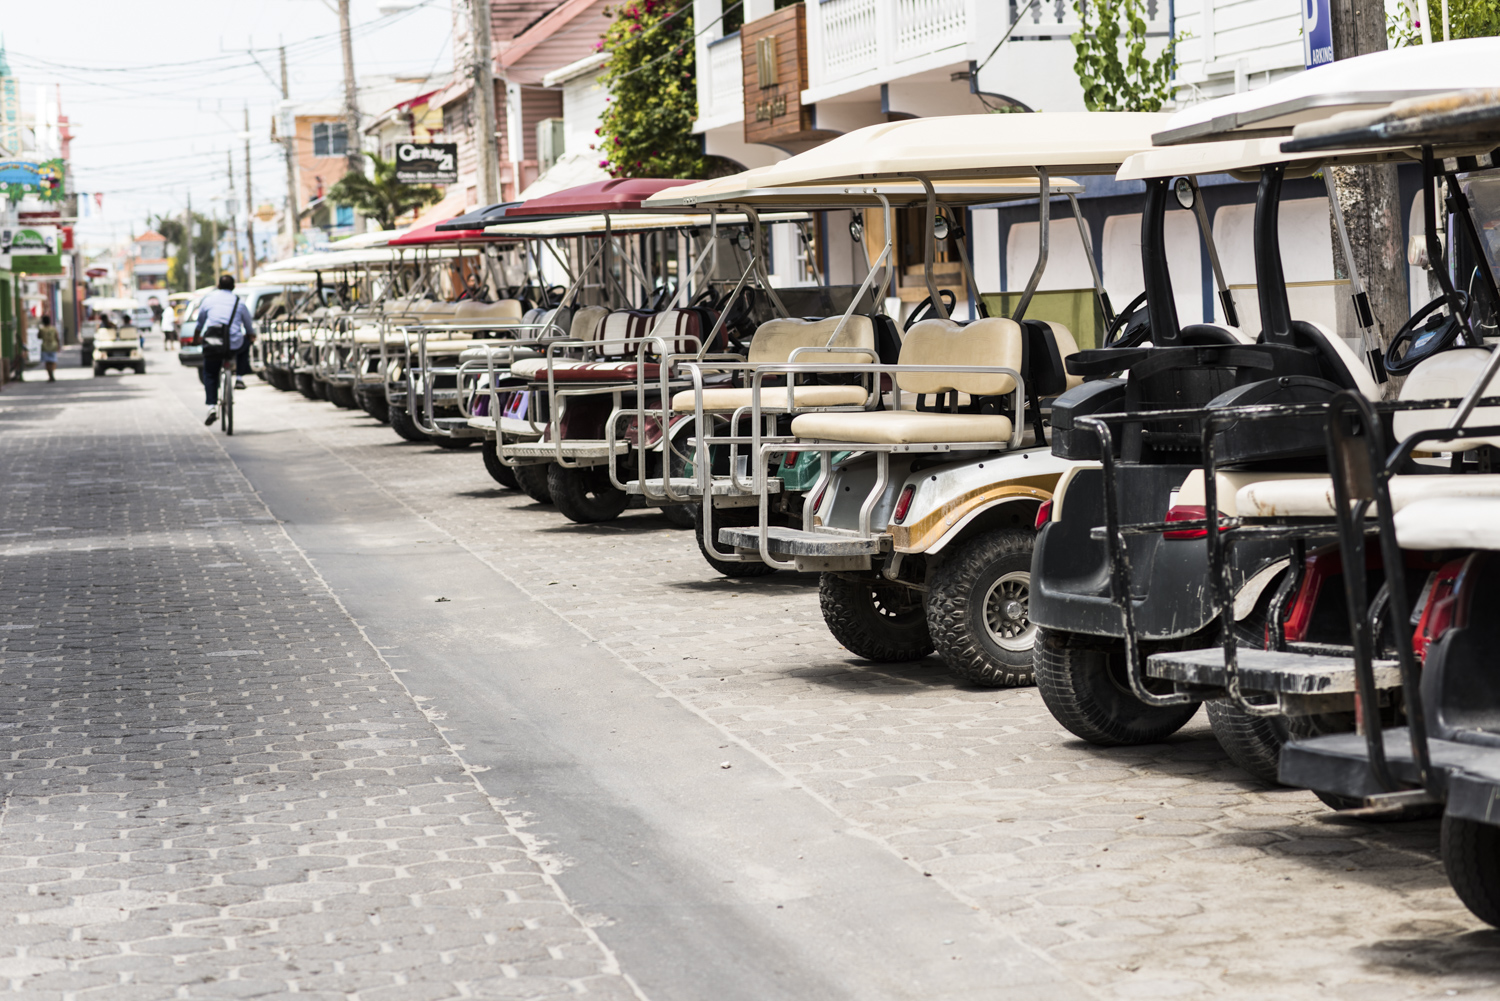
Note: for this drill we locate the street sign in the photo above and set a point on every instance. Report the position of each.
(427, 163)
(1317, 33)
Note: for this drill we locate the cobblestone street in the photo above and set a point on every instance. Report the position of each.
(312, 710)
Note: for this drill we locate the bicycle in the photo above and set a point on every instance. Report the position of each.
(226, 396)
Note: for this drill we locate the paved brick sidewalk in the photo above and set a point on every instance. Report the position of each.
(1158, 871)
(213, 787)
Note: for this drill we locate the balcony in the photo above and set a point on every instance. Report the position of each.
(859, 43)
(1056, 19)
(721, 87)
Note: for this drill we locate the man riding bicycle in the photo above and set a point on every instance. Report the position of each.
(223, 325)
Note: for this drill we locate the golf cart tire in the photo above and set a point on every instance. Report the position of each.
(98, 371)
(532, 480)
(679, 515)
(342, 397)
(499, 471)
(403, 425)
(856, 621)
(1471, 855)
(1252, 742)
(956, 609)
(140, 368)
(730, 517)
(304, 383)
(1074, 677)
(377, 407)
(319, 390)
(584, 495)
(452, 444)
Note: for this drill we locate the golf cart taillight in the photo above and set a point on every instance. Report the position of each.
(903, 503)
(1437, 611)
(1188, 512)
(1043, 514)
(818, 500)
(789, 460)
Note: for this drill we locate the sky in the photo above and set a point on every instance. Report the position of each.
(156, 91)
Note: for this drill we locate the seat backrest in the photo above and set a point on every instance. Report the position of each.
(1444, 376)
(1343, 367)
(1048, 345)
(504, 309)
(624, 325)
(993, 341)
(775, 340)
(587, 322)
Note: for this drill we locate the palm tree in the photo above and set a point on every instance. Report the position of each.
(382, 198)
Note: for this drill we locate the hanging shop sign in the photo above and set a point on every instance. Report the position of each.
(774, 56)
(41, 179)
(33, 249)
(427, 163)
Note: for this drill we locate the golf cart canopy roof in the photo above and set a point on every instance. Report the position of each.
(100, 303)
(478, 218)
(335, 260)
(621, 194)
(1243, 158)
(1469, 119)
(745, 189)
(993, 146)
(628, 222)
(431, 234)
(1363, 83)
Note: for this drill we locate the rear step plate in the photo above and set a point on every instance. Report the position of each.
(1269, 671)
(689, 485)
(792, 542)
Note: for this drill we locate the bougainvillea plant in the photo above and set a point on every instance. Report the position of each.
(647, 126)
(1111, 58)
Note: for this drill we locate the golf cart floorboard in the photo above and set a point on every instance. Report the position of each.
(1281, 672)
(794, 542)
(1339, 764)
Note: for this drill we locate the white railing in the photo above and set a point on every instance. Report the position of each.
(726, 79)
(1057, 19)
(851, 37)
(924, 26)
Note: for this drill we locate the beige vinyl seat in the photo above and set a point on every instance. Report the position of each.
(773, 343)
(995, 341)
(470, 311)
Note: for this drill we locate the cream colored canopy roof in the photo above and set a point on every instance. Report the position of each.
(626, 222)
(1235, 155)
(745, 189)
(988, 146)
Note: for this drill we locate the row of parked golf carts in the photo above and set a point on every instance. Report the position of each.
(1142, 515)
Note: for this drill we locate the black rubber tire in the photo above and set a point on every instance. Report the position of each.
(679, 515)
(342, 397)
(1334, 801)
(1471, 855)
(403, 425)
(855, 611)
(304, 383)
(319, 390)
(532, 480)
(1252, 742)
(499, 472)
(1081, 680)
(376, 406)
(957, 611)
(452, 444)
(584, 494)
(140, 368)
(98, 371)
(730, 517)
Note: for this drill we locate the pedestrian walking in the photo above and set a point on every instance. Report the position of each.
(169, 327)
(50, 343)
(223, 325)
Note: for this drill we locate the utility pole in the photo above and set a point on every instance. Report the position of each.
(249, 197)
(191, 247)
(1369, 195)
(482, 72)
(289, 140)
(214, 229)
(234, 236)
(351, 102)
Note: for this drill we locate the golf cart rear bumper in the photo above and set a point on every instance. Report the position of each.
(811, 551)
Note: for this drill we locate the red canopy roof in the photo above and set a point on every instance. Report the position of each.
(430, 234)
(621, 194)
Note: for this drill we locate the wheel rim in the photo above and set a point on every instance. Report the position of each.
(1007, 611)
(892, 604)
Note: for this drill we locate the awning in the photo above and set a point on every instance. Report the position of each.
(621, 194)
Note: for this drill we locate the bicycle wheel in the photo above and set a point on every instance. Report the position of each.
(226, 400)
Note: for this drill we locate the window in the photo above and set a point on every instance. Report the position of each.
(343, 215)
(330, 139)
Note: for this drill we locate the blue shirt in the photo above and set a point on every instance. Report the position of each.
(216, 310)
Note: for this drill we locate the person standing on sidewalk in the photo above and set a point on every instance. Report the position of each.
(223, 324)
(50, 344)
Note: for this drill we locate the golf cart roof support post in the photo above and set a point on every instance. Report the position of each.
(1356, 286)
(961, 242)
(1435, 256)
(689, 286)
(1226, 297)
(1160, 306)
(929, 247)
(1460, 205)
(1044, 221)
(864, 285)
(1270, 279)
(1088, 251)
(759, 259)
(583, 274)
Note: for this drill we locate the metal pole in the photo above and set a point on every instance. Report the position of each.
(192, 251)
(249, 198)
(234, 237)
(351, 103)
(482, 71)
(293, 225)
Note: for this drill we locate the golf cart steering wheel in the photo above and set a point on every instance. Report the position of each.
(925, 306)
(658, 298)
(1131, 325)
(1414, 343)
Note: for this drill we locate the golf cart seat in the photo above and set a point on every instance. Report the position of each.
(773, 344)
(994, 341)
(1466, 521)
(1312, 496)
(620, 331)
(1447, 375)
(482, 350)
(470, 311)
